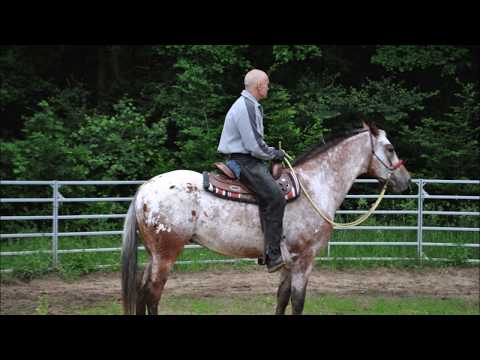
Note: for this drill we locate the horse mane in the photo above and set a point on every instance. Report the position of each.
(323, 147)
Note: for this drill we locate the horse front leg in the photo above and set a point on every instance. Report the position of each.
(300, 274)
(284, 291)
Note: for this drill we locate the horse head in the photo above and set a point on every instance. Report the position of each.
(385, 164)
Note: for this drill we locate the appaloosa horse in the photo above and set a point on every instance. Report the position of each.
(172, 209)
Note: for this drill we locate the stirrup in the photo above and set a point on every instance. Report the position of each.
(277, 266)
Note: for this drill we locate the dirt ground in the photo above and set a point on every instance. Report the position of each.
(92, 290)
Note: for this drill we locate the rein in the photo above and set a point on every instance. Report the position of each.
(362, 218)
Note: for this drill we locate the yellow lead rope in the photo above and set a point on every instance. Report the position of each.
(320, 212)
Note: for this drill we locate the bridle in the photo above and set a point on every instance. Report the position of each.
(392, 167)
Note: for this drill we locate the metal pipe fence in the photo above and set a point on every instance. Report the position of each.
(57, 199)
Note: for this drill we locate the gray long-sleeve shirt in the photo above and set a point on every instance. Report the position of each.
(243, 129)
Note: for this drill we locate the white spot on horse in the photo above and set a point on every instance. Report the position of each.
(163, 227)
(149, 220)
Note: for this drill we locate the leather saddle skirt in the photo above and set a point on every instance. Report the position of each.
(231, 189)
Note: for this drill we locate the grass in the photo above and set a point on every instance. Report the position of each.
(43, 306)
(314, 305)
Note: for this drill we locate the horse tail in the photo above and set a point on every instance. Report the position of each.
(129, 260)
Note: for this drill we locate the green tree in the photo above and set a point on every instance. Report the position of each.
(54, 98)
(46, 152)
(448, 146)
(122, 146)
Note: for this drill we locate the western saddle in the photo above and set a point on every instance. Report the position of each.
(227, 186)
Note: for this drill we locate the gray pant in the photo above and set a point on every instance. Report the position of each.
(254, 174)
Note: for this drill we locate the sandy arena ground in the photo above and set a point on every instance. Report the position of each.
(19, 297)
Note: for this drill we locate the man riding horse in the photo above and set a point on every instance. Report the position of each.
(242, 141)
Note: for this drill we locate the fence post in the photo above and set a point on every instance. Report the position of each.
(55, 226)
(420, 221)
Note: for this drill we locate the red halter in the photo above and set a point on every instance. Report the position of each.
(397, 165)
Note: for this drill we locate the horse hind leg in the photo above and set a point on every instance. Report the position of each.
(143, 283)
(164, 250)
(159, 275)
(150, 286)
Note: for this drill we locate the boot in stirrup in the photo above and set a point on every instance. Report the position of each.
(274, 260)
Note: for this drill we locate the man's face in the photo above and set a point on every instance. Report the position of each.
(263, 87)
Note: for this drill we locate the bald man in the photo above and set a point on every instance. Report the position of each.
(242, 142)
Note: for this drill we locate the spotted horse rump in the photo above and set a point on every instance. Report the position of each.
(228, 188)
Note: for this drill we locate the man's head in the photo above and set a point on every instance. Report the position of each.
(256, 82)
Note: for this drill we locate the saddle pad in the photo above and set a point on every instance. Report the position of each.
(222, 186)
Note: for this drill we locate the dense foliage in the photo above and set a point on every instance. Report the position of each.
(131, 112)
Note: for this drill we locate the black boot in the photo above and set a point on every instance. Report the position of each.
(273, 236)
(262, 260)
(273, 256)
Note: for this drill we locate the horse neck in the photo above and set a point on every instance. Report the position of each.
(330, 175)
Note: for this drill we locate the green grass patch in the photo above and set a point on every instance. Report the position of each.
(314, 305)
(390, 306)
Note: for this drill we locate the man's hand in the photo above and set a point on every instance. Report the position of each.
(279, 155)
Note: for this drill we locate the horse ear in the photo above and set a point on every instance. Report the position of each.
(370, 125)
(374, 129)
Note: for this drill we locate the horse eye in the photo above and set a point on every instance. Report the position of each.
(390, 149)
